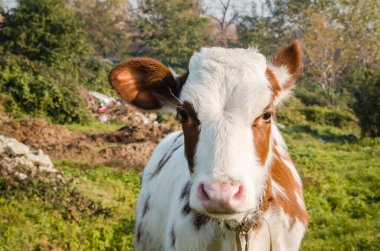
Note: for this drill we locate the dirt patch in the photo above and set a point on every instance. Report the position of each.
(128, 148)
(37, 132)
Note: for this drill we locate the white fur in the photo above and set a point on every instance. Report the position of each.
(227, 98)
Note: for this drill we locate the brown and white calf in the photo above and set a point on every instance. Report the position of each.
(229, 163)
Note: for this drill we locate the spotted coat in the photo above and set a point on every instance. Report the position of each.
(226, 102)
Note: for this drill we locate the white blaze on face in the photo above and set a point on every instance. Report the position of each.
(228, 89)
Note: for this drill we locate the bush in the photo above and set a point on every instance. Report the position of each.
(328, 116)
(45, 61)
(41, 91)
(365, 86)
(44, 30)
(310, 93)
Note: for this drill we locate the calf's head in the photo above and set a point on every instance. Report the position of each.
(226, 103)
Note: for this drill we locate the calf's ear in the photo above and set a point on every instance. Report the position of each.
(283, 71)
(145, 82)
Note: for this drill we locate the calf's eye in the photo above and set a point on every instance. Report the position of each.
(267, 117)
(182, 116)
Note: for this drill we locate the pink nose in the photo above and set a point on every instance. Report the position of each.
(221, 197)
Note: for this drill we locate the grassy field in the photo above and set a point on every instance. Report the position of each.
(95, 209)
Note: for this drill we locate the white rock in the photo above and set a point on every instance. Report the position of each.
(17, 148)
(24, 161)
(40, 159)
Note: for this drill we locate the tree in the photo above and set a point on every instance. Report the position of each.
(361, 24)
(256, 30)
(224, 17)
(325, 51)
(169, 30)
(337, 36)
(44, 30)
(365, 86)
(271, 25)
(105, 25)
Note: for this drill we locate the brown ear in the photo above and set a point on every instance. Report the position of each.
(284, 70)
(145, 82)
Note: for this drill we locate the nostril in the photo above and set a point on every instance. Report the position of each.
(239, 194)
(203, 193)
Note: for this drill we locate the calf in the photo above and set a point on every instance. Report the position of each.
(226, 182)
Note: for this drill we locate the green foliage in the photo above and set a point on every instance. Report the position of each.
(92, 210)
(41, 91)
(44, 30)
(254, 30)
(105, 24)
(170, 31)
(45, 62)
(365, 85)
(310, 93)
(332, 117)
(294, 112)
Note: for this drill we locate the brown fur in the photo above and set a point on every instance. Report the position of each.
(145, 82)
(281, 174)
(261, 135)
(191, 133)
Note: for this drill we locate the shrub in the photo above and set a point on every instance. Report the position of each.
(38, 90)
(328, 116)
(310, 93)
(365, 86)
(45, 61)
(44, 30)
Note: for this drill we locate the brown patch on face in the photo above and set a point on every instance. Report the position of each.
(262, 135)
(282, 175)
(190, 127)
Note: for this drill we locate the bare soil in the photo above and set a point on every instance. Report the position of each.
(128, 148)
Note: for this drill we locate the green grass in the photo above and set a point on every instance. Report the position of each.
(95, 210)
(342, 192)
(94, 126)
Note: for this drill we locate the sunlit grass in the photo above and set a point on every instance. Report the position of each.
(95, 126)
(94, 211)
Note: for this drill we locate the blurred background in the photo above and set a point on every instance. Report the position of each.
(71, 151)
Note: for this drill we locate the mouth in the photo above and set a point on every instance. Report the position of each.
(223, 216)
